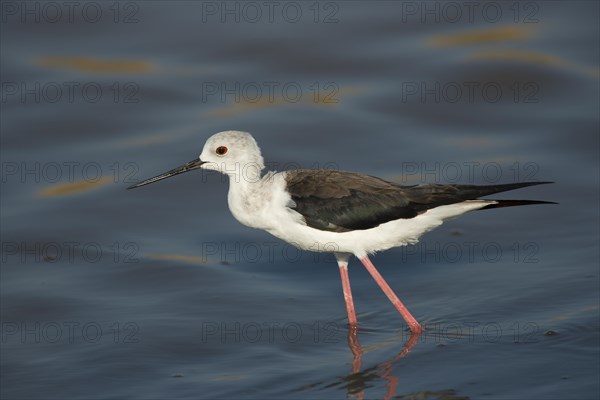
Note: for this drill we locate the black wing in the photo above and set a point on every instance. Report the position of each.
(340, 201)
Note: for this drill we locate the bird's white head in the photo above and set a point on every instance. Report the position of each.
(232, 153)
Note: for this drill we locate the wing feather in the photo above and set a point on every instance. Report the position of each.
(341, 201)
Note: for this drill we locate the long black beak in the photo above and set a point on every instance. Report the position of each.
(189, 166)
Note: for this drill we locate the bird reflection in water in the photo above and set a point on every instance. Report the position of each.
(357, 381)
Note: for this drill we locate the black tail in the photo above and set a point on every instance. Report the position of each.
(424, 197)
(476, 191)
(486, 190)
(513, 203)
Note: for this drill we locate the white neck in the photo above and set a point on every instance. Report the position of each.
(249, 194)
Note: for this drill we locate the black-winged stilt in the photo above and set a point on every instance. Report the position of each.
(333, 211)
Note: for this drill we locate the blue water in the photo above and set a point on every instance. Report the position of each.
(160, 293)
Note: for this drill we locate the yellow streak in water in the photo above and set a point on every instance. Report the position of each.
(65, 189)
(96, 65)
(144, 140)
(535, 58)
(480, 36)
(324, 97)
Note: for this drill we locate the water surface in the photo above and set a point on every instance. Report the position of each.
(160, 293)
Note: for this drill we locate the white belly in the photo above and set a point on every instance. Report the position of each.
(362, 242)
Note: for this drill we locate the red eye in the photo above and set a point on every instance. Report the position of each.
(221, 150)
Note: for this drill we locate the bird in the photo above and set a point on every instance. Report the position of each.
(345, 213)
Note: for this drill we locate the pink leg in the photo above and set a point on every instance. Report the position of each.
(414, 326)
(343, 264)
(355, 348)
